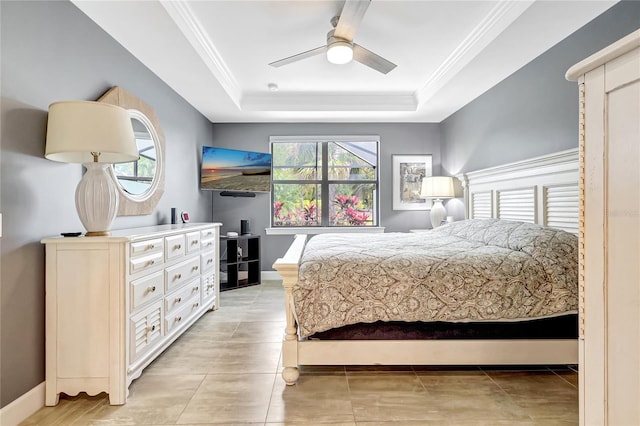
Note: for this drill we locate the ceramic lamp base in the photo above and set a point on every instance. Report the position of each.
(97, 199)
(97, 234)
(438, 213)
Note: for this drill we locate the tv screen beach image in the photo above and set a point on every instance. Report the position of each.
(235, 170)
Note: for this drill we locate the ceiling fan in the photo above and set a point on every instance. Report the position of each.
(340, 48)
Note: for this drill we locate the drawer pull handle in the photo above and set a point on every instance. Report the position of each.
(151, 246)
(152, 289)
(178, 299)
(209, 261)
(196, 289)
(177, 276)
(195, 305)
(152, 328)
(178, 319)
(177, 247)
(151, 262)
(194, 242)
(195, 268)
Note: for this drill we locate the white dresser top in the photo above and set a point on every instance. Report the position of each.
(133, 234)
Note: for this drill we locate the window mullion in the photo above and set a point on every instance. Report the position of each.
(324, 186)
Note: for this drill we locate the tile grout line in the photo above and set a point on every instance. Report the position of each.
(204, 377)
(346, 377)
(565, 380)
(273, 389)
(506, 393)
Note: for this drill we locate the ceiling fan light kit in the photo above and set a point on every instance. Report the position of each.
(340, 52)
(340, 48)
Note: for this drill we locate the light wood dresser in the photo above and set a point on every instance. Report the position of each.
(609, 83)
(113, 304)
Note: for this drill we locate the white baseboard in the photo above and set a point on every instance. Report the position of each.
(23, 407)
(270, 275)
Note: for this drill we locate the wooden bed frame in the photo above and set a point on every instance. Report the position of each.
(542, 190)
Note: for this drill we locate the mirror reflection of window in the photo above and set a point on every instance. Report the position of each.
(141, 183)
(136, 177)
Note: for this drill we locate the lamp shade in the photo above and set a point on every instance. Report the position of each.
(437, 187)
(93, 133)
(76, 129)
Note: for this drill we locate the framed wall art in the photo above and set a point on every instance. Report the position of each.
(408, 171)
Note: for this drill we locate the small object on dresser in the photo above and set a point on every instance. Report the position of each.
(185, 217)
(71, 234)
(232, 234)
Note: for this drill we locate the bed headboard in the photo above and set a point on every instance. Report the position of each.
(543, 190)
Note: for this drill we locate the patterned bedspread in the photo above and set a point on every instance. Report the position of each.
(470, 270)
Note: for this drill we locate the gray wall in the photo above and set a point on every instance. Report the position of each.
(412, 138)
(534, 111)
(51, 51)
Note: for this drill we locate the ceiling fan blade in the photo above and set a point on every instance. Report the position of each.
(372, 60)
(350, 18)
(299, 56)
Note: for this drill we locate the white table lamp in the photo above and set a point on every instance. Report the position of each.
(437, 188)
(95, 134)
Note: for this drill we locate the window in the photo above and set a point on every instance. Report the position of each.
(324, 181)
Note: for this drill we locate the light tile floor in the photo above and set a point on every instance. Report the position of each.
(225, 370)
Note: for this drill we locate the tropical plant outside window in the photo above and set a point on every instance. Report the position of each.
(329, 182)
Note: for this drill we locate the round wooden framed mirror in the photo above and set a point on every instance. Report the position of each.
(140, 183)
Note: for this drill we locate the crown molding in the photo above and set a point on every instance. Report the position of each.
(311, 101)
(180, 12)
(503, 14)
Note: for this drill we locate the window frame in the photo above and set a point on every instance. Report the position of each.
(324, 182)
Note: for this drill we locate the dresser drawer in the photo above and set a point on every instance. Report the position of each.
(183, 272)
(174, 246)
(146, 289)
(181, 315)
(143, 248)
(178, 299)
(139, 264)
(208, 287)
(208, 234)
(207, 243)
(145, 330)
(208, 260)
(193, 242)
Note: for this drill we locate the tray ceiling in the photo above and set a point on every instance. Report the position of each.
(215, 54)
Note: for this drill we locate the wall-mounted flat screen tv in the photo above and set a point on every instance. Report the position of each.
(226, 169)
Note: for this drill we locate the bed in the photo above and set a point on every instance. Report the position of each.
(438, 297)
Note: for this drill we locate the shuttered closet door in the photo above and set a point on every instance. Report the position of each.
(610, 234)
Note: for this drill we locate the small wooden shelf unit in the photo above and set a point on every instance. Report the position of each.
(240, 264)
